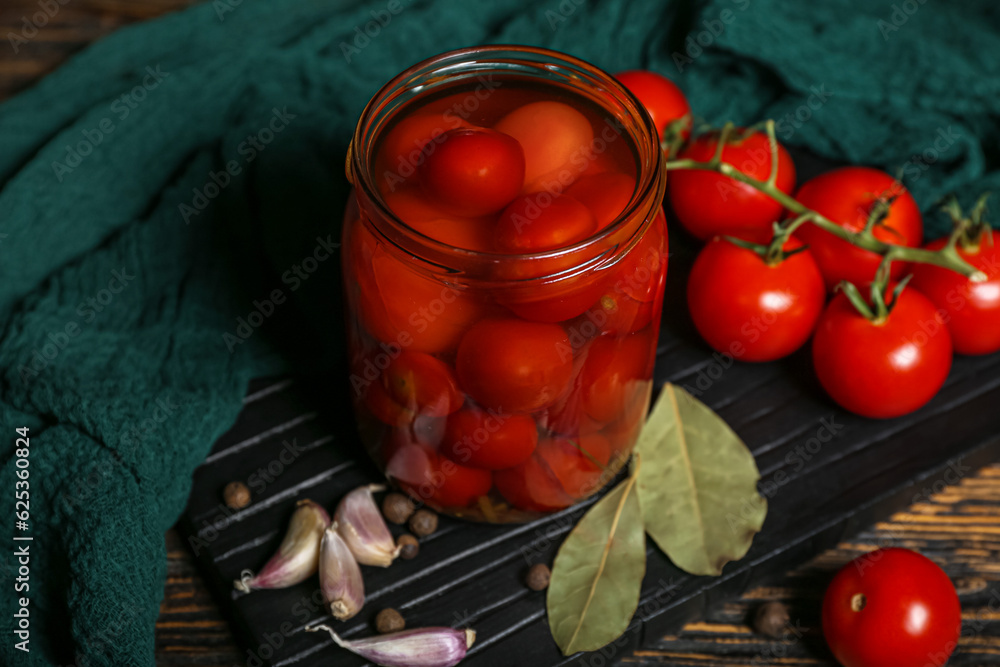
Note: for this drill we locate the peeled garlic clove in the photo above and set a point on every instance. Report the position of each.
(339, 576)
(298, 556)
(420, 647)
(360, 523)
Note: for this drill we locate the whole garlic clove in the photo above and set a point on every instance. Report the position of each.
(420, 647)
(339, 576)
(363, 528)
(298, 556)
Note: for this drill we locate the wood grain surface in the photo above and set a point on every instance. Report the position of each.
(955, 521)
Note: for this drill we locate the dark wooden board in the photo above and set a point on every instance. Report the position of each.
(826, 474)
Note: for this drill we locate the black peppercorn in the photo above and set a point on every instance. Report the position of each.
(408, 546)
(771, 620)
(389, 620)
(236, 495)
(538, 577)
(397, 508)
(423, 523)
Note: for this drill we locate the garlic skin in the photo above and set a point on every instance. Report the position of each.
(420, 647)
(298, 556)
(339, 576)
(363, 528)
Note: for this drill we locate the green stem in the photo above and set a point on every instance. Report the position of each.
(947, 258)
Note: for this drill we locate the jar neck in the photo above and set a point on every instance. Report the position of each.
(624, 120)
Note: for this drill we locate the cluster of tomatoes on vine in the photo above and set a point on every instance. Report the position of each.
(759, 289)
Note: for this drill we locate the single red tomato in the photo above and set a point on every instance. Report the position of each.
(489, 439)
(606, 195)
(882, 370)
(752, 311)
(580, 464)
(615, 370)
(402, 150)
(539, 221)
(660, 96)
(556, 139)
(532, 486)
(513, 365)
(846, 196)
(709, 204)
(410, 385)
(434, 479)
(398, 305)
(473, 171)
(891, 607)
(412, 207)
(971, 310)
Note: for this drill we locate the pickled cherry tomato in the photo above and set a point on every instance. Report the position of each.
(532, 486)
(644, 262)
(399, 305)
(606, 195)
(578, 463)
(412, 384)
(423, 474)
(613, 373)
(473, 171)
(489, 440)
(412, 207)
(556, 139)
(537, 222)
(403, 148)
(618, 314)
(513, 365)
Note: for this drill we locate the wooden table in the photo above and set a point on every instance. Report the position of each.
(956, 521)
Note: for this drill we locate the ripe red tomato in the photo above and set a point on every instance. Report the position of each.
(606, 195)
(473, 171)
(491, 440)
(412, 207)
(556, 139)
(891, 607)
(411, 385)
(752, 311)
(578, 463)
(532, 486)
(616, 369)
(402, 150)
(397, 305)
(846, 196)
(972, 310)
(662, 98)
(708, 204)
(539, 221)
(432, 478)
(884, 370)
(513, 365)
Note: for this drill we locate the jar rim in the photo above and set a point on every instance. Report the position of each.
(648, 180)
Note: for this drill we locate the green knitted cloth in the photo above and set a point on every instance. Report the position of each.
(176, 172)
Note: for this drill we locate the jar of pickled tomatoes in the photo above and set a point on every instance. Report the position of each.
(504, 258)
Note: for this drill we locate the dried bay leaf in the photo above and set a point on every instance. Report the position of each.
(698, 485)
(598, 571)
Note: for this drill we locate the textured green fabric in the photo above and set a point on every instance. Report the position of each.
(126, 379)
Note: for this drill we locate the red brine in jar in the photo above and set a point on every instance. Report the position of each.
(505, 253)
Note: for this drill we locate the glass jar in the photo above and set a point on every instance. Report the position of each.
(492, 382)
